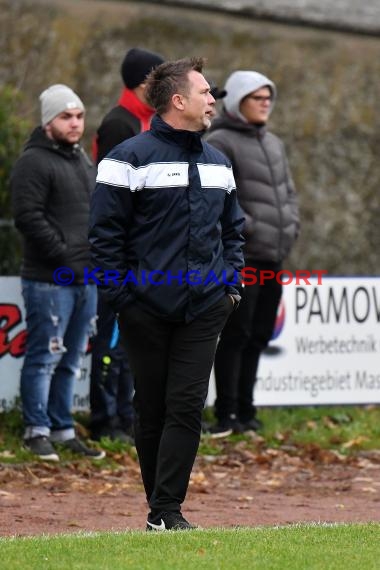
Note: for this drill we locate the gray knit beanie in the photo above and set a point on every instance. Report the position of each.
(56, 99)
(240, 84)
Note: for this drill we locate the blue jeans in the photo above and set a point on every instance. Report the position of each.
(59, 322)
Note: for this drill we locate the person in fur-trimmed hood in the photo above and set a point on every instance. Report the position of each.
(267, 196)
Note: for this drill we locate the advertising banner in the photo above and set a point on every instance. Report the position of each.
(325, 347)
(12, 348)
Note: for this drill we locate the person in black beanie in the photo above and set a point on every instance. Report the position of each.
(217, 93)
(132, 114)
(111, 384)
(137, 64)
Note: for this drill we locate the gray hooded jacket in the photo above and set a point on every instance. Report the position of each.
(264, 184)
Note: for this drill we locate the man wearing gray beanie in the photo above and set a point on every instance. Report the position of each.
(266, 193)
(51, 184)
(56, 99)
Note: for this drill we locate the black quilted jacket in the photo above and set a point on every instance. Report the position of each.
(51, 186)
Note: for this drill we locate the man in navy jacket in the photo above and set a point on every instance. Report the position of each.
(166, 240)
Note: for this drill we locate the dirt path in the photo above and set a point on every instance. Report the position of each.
(238, 489)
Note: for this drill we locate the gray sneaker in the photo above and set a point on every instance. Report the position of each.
(77, 446)
(42, 447)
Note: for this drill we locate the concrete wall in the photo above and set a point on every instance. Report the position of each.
(349, 15)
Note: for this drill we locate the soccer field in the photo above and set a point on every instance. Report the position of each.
(298, 547)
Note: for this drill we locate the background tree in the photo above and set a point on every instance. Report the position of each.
(13, 133)
(326, 112)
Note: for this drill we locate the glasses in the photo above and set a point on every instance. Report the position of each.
(260, 98)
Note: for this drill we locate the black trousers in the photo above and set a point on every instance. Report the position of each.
(111, 380)
(171, 363)
(246, 334)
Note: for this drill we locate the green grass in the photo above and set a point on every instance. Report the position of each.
(299, 547)
(346, 429)
(12, 451)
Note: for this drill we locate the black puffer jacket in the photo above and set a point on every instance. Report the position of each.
(118, 125)
(264, 185)
(51, 186)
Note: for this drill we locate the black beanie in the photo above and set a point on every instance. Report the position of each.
(218, 93)
(137, 64)
(215, 91)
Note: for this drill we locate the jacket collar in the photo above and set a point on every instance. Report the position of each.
(38, 138)
(190, 140)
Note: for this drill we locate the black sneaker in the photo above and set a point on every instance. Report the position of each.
(41, 447)
(253, 424)
(219, 430)
(123, 435)
(168, 521)
(224, 428)
(114, 434)
(75, 445)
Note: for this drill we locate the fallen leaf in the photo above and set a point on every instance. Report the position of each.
(198, 478)
(363, 479)
(329, 422)
(272, 483)
(220, 474)
(355, 442)
(6, 454)
(74, 523)
(7, 495)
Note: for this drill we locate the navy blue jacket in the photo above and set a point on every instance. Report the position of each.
(166, 221)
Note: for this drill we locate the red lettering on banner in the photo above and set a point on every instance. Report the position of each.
(249, 277)
(10, 317)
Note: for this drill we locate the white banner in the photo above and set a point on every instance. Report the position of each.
(12, 348)
(326, 345)
(325, 348)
